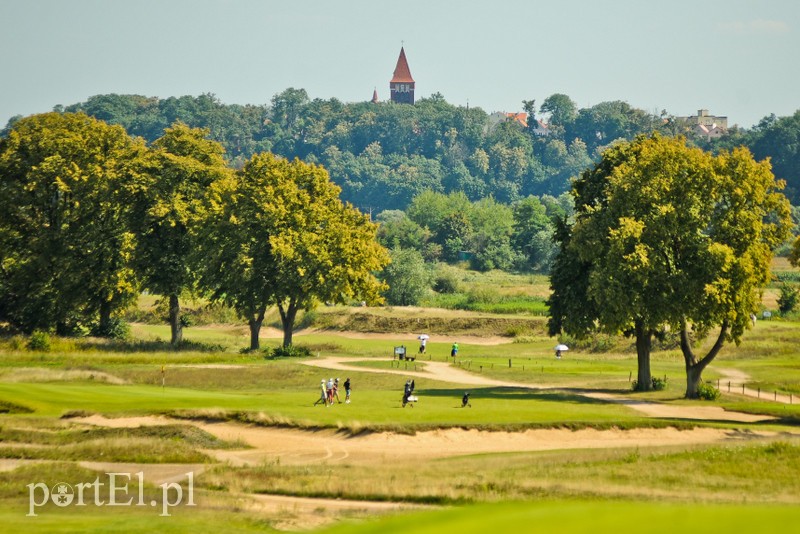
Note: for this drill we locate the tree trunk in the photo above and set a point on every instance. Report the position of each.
(255, 329)
(175, 320)
(288, 317)
(644, 339)
(695, 367)
(693, 379)
(255, 322)
(105, 318)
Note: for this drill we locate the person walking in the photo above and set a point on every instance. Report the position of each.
(336, 391)
(347, 390)
(329, 391)
(324, 395)
(407, 390)
(454, 350)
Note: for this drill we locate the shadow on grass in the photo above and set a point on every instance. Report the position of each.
(511, 393)
(129, 346)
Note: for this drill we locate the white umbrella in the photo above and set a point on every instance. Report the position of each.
(423, 336)
(562, 348)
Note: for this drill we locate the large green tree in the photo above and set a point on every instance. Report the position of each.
(66, 245)
(182, 164)
(667, 236)
(278, 234)
(407, 277)
(533, 233)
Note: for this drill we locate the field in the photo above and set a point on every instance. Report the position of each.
(210, 437)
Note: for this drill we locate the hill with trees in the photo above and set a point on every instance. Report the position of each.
(382, 154)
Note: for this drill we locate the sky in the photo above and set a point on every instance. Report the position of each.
(735, 58)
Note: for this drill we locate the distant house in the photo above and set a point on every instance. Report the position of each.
(714, 131)
(706, 125)
(518, 118)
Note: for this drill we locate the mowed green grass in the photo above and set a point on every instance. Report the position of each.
(587, 517)
(438, 406)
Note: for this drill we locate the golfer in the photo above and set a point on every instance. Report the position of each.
(324, 396)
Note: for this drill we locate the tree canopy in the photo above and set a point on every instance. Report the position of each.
(66, 249)
(667, 236)
(181, 165)
(278, 234)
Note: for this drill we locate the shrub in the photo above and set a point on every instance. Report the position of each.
(788, 298)
(292, 351)
(39, 341)
(116, 328)
(657, 383)
(446, 282)
(706, 391)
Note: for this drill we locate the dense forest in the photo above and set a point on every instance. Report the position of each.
(384, 154)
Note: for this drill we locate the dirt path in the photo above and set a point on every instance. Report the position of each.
(409, 339)
(443, 371)
(734, 381)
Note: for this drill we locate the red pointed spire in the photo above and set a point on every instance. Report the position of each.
(402, 74)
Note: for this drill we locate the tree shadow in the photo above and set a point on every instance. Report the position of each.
(512, 393)
(127, 346)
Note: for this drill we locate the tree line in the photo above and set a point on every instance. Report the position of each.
(383, 155)
(90, 216)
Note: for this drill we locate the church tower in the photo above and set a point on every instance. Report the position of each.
(402, 85)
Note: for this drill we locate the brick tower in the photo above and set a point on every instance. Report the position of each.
(402, 85)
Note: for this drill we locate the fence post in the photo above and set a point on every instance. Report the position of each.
(729, 386)
(776, 396)
(481, 368)
(759, 393)
(509, 363)
(742, 389)
(630, 375)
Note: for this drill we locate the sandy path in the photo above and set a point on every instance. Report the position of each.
(734, 381)
(443, 371)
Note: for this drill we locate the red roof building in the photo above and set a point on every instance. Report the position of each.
(401, 87)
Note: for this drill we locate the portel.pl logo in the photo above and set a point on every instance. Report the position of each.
(112, 493)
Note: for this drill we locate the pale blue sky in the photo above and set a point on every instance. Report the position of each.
(733, 57)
